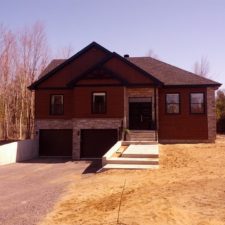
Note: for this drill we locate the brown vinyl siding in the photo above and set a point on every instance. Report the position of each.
(78, 103)
(42, 104)
(182, 126)
(62, 77)
(82, 102)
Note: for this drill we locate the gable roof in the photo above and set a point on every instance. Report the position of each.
(64, 63)
(138, 68)
(170, 75)
(95, 67)
(57, 65)
(116, 75)
(160, 72)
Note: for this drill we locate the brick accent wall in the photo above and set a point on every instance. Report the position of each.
(211, 113)
(140, 92)
(157, 110)
(53, 124)
(77, 125)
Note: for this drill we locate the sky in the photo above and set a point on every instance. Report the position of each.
(179, 32)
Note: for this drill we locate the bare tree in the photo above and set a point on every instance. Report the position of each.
(23, 56)
(202, 68)
(7, 49)
(65, 52)
(33, 55)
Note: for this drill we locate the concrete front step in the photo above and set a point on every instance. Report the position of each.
(142, 136)
(141, 161)
(152, 156)
(142, 139)
(128, 166)
(133, 155)
(126, 143)
(142, 131)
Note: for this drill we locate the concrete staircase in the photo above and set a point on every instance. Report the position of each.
(142, 135)
(135, 156)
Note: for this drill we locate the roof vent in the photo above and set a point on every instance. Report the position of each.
(126, 56)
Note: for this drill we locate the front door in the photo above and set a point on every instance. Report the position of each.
(140, 115)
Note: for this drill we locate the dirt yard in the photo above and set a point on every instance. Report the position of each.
(188, 189)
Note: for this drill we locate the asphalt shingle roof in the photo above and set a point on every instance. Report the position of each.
(168, 74)
(52, 65)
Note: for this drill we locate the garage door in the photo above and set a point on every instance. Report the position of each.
(55, 142)
(96, 142)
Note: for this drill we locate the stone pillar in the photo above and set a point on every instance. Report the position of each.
(211, 114)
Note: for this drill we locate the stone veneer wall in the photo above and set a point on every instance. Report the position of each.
(77, 125)
(139, 92)
(157, 111)
(211, 114)
(53, 124)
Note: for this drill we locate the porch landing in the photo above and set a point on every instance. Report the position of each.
(141, 151)
(133, 156)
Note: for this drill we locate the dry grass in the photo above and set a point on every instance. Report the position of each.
(188, 189)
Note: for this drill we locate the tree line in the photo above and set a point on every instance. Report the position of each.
(23, 56)
(220, 111)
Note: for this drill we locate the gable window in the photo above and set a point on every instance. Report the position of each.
(99, 102)
(173, 103)
(197, 103)
(57, 103)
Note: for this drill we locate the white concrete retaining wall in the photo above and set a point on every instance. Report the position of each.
(18, 151)
(111, 151)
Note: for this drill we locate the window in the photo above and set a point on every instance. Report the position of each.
(99, 102)
(56, 105)
(197, 102)
(173, 103)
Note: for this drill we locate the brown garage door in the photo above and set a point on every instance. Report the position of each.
(55, 142)
(96, 142)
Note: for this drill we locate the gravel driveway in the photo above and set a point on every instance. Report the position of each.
(29, 190)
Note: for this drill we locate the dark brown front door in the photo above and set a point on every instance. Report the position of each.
(140, 115)
(55, 142)
(96, 142)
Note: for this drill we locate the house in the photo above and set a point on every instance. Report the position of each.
(83, 104)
